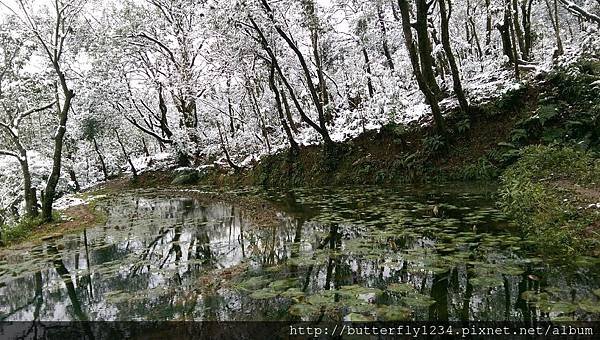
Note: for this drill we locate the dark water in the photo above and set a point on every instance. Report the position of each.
(437, 253)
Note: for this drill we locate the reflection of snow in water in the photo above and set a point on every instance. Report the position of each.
(153, 256)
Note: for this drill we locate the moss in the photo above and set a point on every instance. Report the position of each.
(547, 193)
(70, 220)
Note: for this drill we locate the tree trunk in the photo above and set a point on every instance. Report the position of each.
(506, 40)
(294, 148)
(288, 111)
(384, 40)
(458, 90)
(259, 117)
(368, 69)
(224, 148)
(28, 192)
(553, 13)
(425, 48)
(50, 191)
(414, 59)
(517, 28)
(74, 180)
(307, 74)
(164, 124)
(513, 38)
(488, 26)
(133, 171)
(526, 19)
(321, 128)
(101, 159)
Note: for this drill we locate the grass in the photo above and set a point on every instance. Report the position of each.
(69, 220)
(548, 193)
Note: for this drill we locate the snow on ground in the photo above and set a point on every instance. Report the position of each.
(73, 200)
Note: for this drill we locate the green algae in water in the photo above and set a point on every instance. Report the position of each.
(417, 300)
(393, 313)
(400, 288)
(486, 281)
(339, 254)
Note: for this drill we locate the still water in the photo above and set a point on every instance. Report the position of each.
(416, 253)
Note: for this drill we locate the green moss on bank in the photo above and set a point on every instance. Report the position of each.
(551, 193)
(66, 221)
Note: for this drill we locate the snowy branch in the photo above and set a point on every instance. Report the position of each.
(572, 7)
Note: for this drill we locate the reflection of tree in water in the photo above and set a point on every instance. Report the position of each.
(152, 244)
(64, 273)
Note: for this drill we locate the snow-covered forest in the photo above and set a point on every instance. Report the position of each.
(91, 90)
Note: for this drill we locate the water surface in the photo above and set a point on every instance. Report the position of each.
(433, 253)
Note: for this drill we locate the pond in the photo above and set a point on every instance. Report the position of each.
(369, 253)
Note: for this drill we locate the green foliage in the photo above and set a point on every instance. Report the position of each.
(534, 195)
(512, 100)
(433, 144)
(186, 177)
(483, 169)
(553, 162)
(572, 83)
(91, 128)
(24, 228)
(21, 230)
(463, 126)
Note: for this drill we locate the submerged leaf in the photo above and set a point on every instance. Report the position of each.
(303, 309)
(264, 293)
(486, 282)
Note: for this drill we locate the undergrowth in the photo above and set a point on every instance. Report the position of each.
(549, 193)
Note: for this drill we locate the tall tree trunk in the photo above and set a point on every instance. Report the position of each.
(224, 148)
(504, 30)
(384, 40)
(321, 128)
(414, 59)
(259, 116)
(526, 20)
(129, 161)
(458, 90)
(368, 69)
(101, 159)
(476, 36)
(313, 26)
(288, 111)
(425, 48)
(488, 26)
(63, 113)
(513, 38)
(553, 13)
(294, 148)
(307, 74)
(517, 28)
